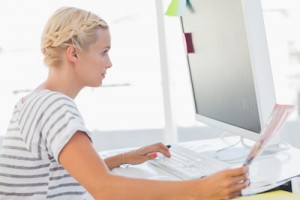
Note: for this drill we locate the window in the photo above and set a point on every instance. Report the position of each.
(131, 96)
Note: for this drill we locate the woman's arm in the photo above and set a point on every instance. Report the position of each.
(81, 160)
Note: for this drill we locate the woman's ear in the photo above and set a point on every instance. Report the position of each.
(71, 54)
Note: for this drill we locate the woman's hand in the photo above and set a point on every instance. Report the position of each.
(143, 154)
(226, 184)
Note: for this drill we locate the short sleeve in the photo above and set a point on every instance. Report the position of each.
(60, 121)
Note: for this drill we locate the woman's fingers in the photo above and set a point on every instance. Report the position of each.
(158, 147)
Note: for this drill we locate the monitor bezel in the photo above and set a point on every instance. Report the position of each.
(261, 69)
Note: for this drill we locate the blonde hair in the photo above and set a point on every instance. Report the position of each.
(69, 26)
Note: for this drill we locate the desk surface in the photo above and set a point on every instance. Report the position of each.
(265, 170)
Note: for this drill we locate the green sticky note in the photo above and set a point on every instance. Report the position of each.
(175, 8)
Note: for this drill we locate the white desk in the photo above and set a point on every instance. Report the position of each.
(282, 165)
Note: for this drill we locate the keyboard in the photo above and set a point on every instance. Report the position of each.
(188, 164)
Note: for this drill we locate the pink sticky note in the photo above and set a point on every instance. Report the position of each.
(189, 43)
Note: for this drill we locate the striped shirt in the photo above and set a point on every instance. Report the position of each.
(39, 129)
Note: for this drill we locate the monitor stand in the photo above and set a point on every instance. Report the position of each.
(238, 154)
(233, 154)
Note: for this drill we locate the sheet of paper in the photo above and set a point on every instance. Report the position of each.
(275, 122)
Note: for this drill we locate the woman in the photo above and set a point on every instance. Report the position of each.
(48, 152)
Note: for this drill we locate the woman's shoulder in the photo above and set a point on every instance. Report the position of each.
(46, 98)
(46, 94)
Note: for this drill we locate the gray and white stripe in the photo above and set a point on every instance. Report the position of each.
(36, 134)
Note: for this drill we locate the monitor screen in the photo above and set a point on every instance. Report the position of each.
(229, 66)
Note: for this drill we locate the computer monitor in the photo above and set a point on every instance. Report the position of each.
(229, 65)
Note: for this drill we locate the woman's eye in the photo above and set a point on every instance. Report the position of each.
(105, 52)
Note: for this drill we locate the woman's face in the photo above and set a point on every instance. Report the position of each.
(93, 63)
